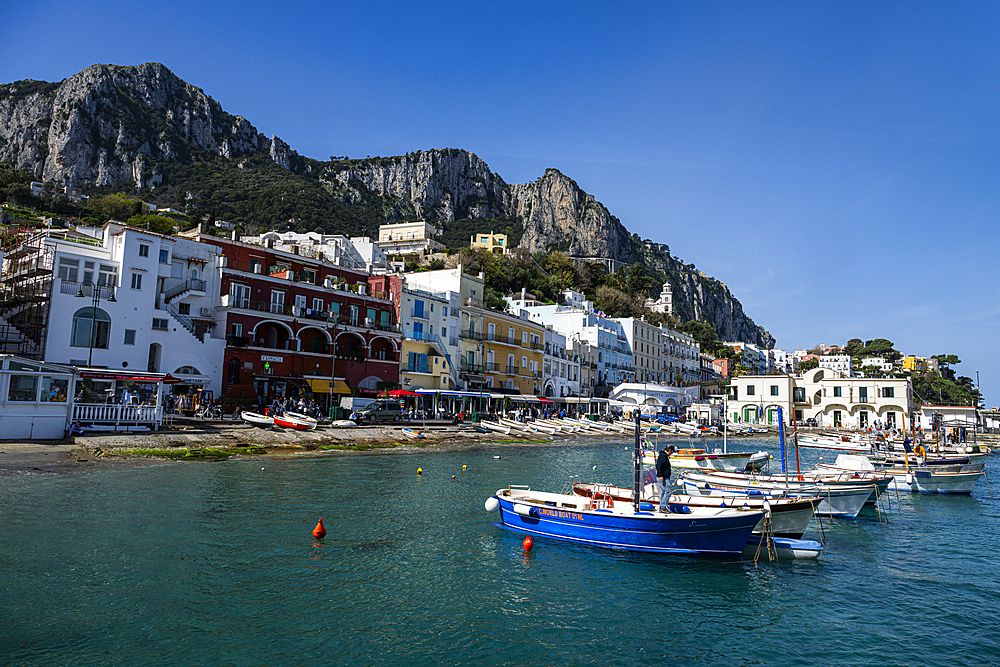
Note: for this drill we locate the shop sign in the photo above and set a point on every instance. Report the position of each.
(271, 357)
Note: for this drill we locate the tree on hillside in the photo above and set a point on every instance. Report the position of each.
(704, 334)
(808, 365)
(878, 346)
(616, 303)
(853, 347)
(945, 363)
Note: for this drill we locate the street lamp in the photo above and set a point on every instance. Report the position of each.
(96, 293)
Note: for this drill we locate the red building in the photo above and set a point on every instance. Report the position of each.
(303, 326)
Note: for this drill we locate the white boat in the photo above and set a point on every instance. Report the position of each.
(840, 442)
(495, 427)
(515, 425)
(699, 459)
(343, 423)
(541, 428)
(256, 419)
(923, 479)
(840, 499)
(412, 433)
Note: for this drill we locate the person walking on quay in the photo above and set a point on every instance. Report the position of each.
(663, 473)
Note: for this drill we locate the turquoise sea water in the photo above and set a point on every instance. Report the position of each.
(215, 564)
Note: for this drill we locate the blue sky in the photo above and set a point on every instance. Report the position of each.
(837, 165)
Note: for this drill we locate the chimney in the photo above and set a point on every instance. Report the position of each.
(236, 235)
(270, 243)
(295, 250)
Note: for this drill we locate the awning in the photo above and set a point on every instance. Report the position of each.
(321, 385)
(119, 375)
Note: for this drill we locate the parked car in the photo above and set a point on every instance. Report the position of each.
(811, 422)
(379, 411)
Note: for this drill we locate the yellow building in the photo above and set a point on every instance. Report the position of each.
(495, 243)
(505, 350)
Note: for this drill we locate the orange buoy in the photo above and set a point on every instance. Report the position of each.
(319, 530)
(528, 544)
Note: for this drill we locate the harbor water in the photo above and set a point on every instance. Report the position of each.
(215, 564)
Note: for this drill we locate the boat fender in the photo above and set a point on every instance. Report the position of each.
(705, 485)
(524, 510)
(646, 507)
(492, 504)
(909, 478)
(767, 506)
(679, 509)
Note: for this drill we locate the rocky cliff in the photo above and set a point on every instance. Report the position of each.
(110, 124)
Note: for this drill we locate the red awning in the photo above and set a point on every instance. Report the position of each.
(401, 392)
(170, 379)
(544, 400)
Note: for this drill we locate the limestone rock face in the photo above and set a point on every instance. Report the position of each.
(439, 185)
(110, 124)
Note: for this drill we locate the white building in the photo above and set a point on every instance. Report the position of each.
(681, 357)
(356, 253)
(784, 362)
(408, 237)
(839, 363)
(673, 400)
(560, 374)
(754, 359)
(664, 303)
(821, 394)
(138, 301)
(883, 365)
(578, 320)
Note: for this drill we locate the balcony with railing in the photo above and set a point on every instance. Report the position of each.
(470, 334)
(192, 286)
(467, 367)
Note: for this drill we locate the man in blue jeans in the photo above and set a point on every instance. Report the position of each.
(663, 474)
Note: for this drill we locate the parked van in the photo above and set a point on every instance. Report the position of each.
(379, 411)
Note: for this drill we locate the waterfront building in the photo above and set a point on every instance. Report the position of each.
(498, 350)
(585, 357)
(559, 370)
(127, 299)
(576, 318)
(681, 358)
(950, 417)
(831, 399)
(647, 345)
(494, 243)
(301, 326)
(408, 237)
(783, 361)
(671, 400)
(425, 361)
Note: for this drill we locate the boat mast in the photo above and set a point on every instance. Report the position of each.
(637, 463)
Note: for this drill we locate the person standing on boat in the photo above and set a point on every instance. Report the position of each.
(663, 473)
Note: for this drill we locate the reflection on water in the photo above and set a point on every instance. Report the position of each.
(216, 564)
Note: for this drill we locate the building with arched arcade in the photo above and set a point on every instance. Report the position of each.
(832, 399)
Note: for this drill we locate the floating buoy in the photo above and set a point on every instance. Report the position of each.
(453, 477)
(319, 531)
(262, 469)
(420, 471)
(464, 467)
(496, 457)
(527, 544)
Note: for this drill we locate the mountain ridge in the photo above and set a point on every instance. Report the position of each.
(142, 127)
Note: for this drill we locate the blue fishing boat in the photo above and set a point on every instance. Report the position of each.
(601, 521)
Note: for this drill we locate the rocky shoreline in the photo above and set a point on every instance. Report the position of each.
(192, 440)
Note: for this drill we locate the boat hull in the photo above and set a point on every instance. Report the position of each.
(723, 534)
(789, 517)
(782, 548)
(258, 420)
(932, 481)
(837, 500)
